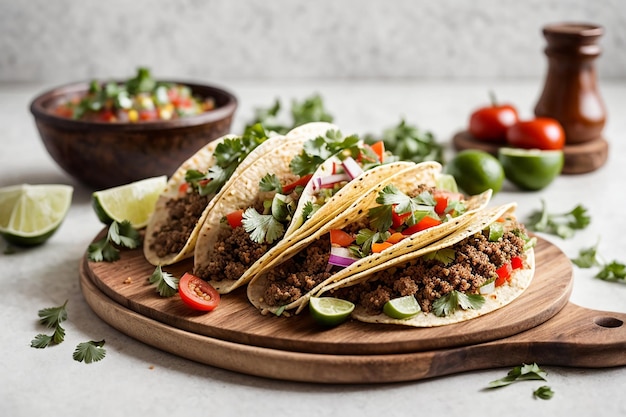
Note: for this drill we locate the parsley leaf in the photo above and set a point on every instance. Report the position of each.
(51, 317)
(520, 373)
(563, 225)
(122, 234)
(454, 300)
(544, 392)
(263, 228)
(89, 352)
(167, 284)
(409, 143)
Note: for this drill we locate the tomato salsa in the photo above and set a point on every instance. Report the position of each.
(138, 99)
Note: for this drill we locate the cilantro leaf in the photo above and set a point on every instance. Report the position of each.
(544, 392)
(454, 300)
(270, 182)
(308, 210)
(392, 196)
(51, 317)
(563, 225)
(311, 109)
(317, 150)
(122, 234)
(167, 284)
(587, 257)
(89, 352)
(41, 341)
(445, 256)
(103, 250)
(524, 372)
(365, 238)
(263, 228)
(381, 217)
(613, 271)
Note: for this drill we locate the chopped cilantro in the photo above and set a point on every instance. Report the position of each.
(166, 283)
(319, 149)
(544, 392)
(520, 373)
(613, 271)
(121, 234)
(454, 300)
(365, 238)
(563, 225)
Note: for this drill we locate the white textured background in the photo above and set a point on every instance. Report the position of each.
(65, 40)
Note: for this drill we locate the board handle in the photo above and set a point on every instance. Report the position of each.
(575, 337)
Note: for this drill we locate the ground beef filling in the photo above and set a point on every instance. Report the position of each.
(233, 254)
(184, 213)
(300, 274)
(475, 263)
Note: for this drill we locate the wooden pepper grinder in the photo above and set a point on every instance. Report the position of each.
(570, 94)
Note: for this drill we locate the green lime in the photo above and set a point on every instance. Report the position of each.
(531, 169)
(476, 171)
(30, 214)
(330, 311)
(133, 202)
(402, 307)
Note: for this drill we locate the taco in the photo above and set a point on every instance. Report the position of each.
(183, 205)
(282, 198)
(400, 214)
(478, 269)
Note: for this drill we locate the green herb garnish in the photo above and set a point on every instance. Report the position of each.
(563, 225)
(263, 228)
(613, 271)
(446, 256)
(544, 392)
(51, 317)
(311, 109)
(392, 199)
(316, 151)
(454, 300)
(122, 234)
(166, 283)
(89, 352)
(520, 373)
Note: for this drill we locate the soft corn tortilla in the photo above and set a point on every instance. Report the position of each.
(406, 179)
(502, 295)
(202, 160)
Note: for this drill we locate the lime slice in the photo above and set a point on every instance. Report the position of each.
(476, 171)
(30, 214)
(133, 202)
(402, 307)
(531, 169)
(330, 311)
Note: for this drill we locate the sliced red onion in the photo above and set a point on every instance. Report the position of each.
(341, 256)
(352, 167)
(329, 181)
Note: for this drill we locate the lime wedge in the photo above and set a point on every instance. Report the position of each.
(447, 182)
(133, 202)
(402, 307)
(330, 311)
(30, 214)
(531, 169)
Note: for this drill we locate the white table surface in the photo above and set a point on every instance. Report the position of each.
(136, 379)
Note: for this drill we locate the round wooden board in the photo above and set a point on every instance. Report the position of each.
(579, 158)
(125, 282)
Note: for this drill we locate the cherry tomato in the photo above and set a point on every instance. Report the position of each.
(197, 293)
(490, 124)
(235, 219)
(541, 133)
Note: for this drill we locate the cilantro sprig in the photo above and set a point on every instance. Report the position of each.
(316, 151)
(228, 155)
(166, 283)
(563, 225)
(454, 300)
(88, 352)
(310, 109)
(613, 271)
(525, 372)
(263, 228)
(51, 317)
(392, 199)
(121, 234)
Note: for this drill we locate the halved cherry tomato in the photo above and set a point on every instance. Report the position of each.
(197, 293)
(425, 223)
(540, 133)
(340, 238)
(397, 220)
(517, 262)
(379, 149)
(379, 247)
(302, 181)
(490, 124)
(235, 219)
(504, 273)
(395, 237)
(442, 204)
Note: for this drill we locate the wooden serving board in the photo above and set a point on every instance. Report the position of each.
(579, 158)
(540, 326)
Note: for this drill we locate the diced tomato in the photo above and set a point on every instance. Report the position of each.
(148, 115)
(426, 223)
(379, 149)
(397, 220)
(340, 238)
(182, 190)
(197, 293)
(517, 262)
(442, 204)
(379, 247)
(302, 181)
(504, 273)
(395, 237)
(235, 219)
(107, 116)
(64, 111)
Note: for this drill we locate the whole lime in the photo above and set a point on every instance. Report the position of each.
(476, 171)
(531, 169)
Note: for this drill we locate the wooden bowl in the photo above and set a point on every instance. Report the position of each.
(103, 155)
